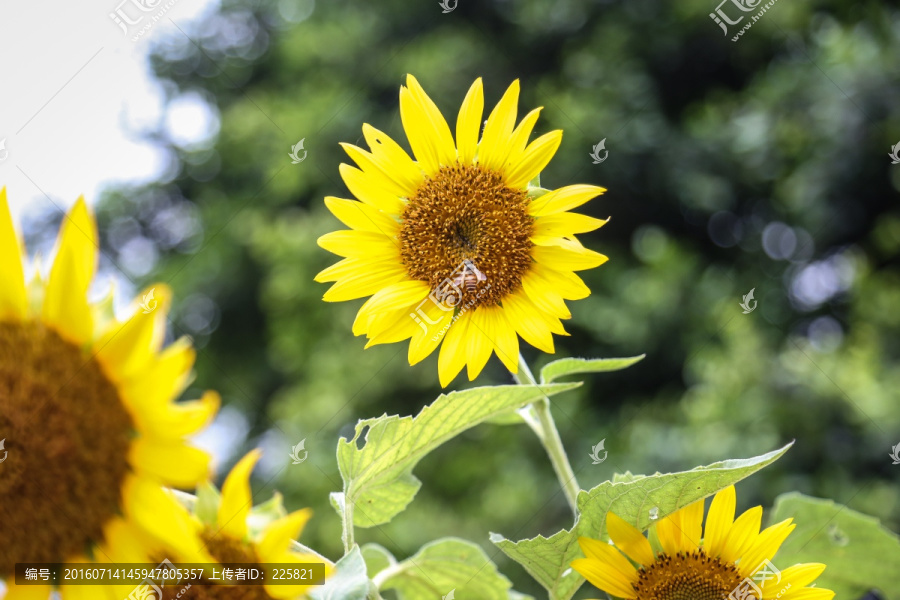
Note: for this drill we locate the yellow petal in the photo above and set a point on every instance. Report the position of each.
(278, 534)
(519, 139)
(529, 321)
(393, 160)
(366, 280)
(563, 199)
(468, 124)
(719, 520)
(494, 146)
(426, 339)
(359, 244)
(173, 462)
(796, 577)
(375, 172)
(453, 351)
(163, 379)
(125, 349)
(565, 283)
(669, 532)
(608, 566)
(691, 525)
(178, 420)
(570, 256)
(360, 216)
(480, 342)
(536, 156)
(86, 592)
(809, 594)
(26, 592)
(544, 296)
(506, 344)
(394, 297)
(236, 498)
(124, 542)
(159, 515)
(282, 591)
(742, 535)
(604, 577)
(629, 540)
(66, 306)
(393, 327)
(566, 224)
(367, 190)
(13, 303)
(767, 544)
(442, 139)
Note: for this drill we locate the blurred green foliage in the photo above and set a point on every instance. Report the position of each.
(757, 164)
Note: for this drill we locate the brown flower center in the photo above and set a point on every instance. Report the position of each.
(693, 576)
(67, 436)
(224, 550)
(467, 213)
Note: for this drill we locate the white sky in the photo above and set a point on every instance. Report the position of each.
(75, 93)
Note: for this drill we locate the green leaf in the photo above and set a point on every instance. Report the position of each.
(632, 498)
(206, 508)
(377, 558)
(859, 552)
(348, 582)
(447, 565)
(570, 366)
(536, 191)
(378, 479)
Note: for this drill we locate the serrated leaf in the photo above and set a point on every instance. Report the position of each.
(548, 559)
(447, 565)
(378, 479)
(570, 366)
(377, 558)
(348, 582)
(859, 552)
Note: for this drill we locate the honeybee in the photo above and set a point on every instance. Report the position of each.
(469, 277)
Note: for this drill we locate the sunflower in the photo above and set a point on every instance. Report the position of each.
(456, 246)
(87, 413)
(230, 534)
(732, 558)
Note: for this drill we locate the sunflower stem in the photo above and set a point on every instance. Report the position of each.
(347, 524)
(538, 417)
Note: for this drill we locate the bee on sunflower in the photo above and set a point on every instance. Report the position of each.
(87, 410)
(456, 246)
(686, 561)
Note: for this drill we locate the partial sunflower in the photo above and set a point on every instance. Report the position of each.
(456, 245)
(87, 413)
(688, 562)
(234, 533)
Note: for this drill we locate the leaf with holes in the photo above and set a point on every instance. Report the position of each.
(571, 366)
(632, 498)
(444, 566)
(378, 479)
(859, 552)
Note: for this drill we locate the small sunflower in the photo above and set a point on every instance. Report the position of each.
(689, 563)
(231, 535)
(87, 413)
(456, 246)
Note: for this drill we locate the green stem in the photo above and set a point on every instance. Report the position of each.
(537, 416)
(347, 524)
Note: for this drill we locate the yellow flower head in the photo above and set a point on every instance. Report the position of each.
(456, 246)
(688, 562)
(92, 433)
(231, 537)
